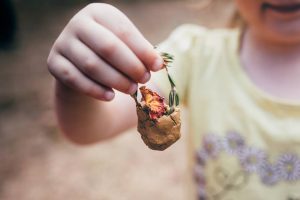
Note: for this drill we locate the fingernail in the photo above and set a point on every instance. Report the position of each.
(109, 95)
(157, 64)
(146, 77)
(132, 89)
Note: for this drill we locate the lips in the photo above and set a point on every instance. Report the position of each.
(282, 8)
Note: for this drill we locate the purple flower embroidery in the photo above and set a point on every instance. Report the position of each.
(211, 145)
(233, 143)
(201, 157)
(252, 159)
(201, 193)
(288, 167)
(199, 175)
(268, 174)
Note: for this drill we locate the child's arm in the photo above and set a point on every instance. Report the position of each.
(99, 50)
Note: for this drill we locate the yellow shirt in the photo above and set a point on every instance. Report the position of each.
(246, 143)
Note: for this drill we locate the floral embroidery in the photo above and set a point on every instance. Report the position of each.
(201, 157)
(199, 175)
(251, 159)
(233, 143)
(288, 167)
(211, 145)
(201, 192)
(268, 174)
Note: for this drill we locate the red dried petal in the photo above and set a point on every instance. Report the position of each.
(153, 102)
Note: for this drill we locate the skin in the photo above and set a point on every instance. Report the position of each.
(270, 48)
(94, 55)
(99, 50)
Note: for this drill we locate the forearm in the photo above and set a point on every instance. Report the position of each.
(86, 120)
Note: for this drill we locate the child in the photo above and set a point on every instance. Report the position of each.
(241, 88)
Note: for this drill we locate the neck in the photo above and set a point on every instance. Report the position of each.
(268, 47)
(267, 53)
(273, 67)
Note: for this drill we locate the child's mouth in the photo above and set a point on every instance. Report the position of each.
(282, 8)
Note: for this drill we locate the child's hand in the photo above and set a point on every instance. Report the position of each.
(100, 50)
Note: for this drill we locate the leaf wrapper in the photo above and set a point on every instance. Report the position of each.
(161, 133)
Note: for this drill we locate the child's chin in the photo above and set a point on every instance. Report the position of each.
(284, 32)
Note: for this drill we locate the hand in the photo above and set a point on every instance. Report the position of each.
(100, 50)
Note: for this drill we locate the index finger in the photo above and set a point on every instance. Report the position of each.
(119, 24)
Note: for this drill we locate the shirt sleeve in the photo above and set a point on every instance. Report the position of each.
(180, 44)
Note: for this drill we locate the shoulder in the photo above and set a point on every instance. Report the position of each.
(196, 46)
(188, 30)
(198, 52)
(204, 54)
(190, 37)
(184, 36)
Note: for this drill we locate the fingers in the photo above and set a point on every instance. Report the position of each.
(101, 49)
(97, 69)
(118, 23)
(113, 50)
(64, 71)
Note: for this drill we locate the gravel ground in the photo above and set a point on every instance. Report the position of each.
(36, 162)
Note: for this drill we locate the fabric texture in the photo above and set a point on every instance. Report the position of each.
(243, 142)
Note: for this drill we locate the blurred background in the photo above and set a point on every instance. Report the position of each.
(36, 162)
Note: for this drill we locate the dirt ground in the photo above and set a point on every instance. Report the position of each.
(36, 162)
